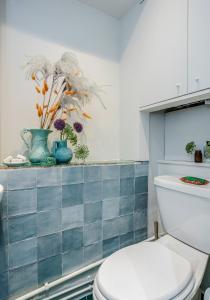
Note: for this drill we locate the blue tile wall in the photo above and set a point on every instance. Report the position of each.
(56, 220)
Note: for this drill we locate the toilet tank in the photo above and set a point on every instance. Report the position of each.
(185, 211)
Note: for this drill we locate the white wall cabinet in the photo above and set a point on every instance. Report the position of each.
(199, 45)
(162, 51)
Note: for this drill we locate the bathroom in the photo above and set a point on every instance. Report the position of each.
(67, 228)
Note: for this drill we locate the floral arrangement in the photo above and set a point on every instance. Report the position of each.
(62, 93)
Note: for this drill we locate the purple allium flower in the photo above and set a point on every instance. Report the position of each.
(59, 124)
(78, 127)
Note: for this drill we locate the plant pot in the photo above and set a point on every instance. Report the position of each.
(61, 152)
(38, 145)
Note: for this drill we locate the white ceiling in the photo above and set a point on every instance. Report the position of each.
(115, 8)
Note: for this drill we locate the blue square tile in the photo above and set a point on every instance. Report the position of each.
(72, 239)
(72, 260)
(141, 184)
(93, 212)
(92, 173)
(49, 269)
(110, 208)
(48, 222)
(111, 188)
(23, 280)
(72, 175)
(3, 232)
(126, 224)
(3, 205)
(126, 239)
(22, 253)
(49, 198)
(111, 228)
(4, 295)
(126, 186)
(110, 172)
(21, 179)
(72, 195)
(22, 202)
(127, 204)
(72, 216)
(140, 219)
(141, 169)
(22, 227)
(127, 171)
(49, 245)
(3, 259)
(140, 235)
(110, 246)
(4, 178)
(141, 201)
(92, 233)
(93, 191)
(93, 253)
(48, 177)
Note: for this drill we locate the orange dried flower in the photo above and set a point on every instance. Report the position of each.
(43, 91)
(72, 109)
(87, 116)
(38, 89)
(33, 77)
(56, 92)
(39, 110)
(45, 86)
(55, 107)
(70, 93)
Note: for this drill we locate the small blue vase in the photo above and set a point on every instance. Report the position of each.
(61, 152)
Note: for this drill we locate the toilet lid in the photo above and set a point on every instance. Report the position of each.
(144, 271)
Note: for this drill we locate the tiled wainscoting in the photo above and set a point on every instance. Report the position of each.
(55, 220)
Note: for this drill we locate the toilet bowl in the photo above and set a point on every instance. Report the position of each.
(167, 268)
(164, 269)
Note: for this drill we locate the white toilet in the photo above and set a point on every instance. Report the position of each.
(171, 267)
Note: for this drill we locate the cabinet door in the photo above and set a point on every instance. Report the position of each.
(162, 50)
(199, 45)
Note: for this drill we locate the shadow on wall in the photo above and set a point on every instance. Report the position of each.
(129, 24)
(2, 12)
(67, 22)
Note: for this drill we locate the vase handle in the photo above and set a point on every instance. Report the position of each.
(54, 147)
(22, 134)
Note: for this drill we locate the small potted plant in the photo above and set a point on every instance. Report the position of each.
(191, 149)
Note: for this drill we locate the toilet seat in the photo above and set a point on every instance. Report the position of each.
(134, 273)
(183, 295)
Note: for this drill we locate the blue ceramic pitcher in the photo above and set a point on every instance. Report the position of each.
(61, 152)
(38, 145)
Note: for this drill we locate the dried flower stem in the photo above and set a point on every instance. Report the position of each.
(49, 99)
(54, 102)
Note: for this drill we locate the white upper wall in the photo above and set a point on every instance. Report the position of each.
(133, 125)
(52, 27)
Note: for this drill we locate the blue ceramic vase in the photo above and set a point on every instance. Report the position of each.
(38, 144)
(61, 152)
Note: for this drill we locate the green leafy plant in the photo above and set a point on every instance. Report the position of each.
(69, 134)
(190, 147)
(81, 152)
